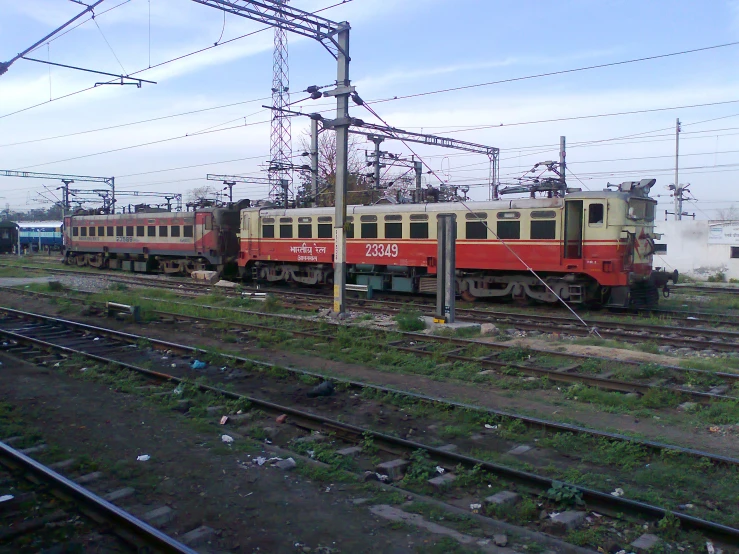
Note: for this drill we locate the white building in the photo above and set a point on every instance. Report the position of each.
(698, 249)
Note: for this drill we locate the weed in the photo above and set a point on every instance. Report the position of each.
(410, 321)
(564, 494)
(421, 468)
(668, 526)
(56, 286)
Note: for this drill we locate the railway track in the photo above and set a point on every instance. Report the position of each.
(39, 502)
(498, 358)
(686, 335)
(32, 336)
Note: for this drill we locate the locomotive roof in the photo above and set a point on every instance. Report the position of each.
(29, 224)
(512, 204)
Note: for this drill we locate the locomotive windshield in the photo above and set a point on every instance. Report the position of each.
(641, 210)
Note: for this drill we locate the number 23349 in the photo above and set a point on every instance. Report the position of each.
(381, 250)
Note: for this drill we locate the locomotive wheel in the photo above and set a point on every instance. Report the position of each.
(467, 297)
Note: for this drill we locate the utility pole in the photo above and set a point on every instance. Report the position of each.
(418, 167)
(314, 160)
(230, 186)
(678, 189)
(563, 159)
(446, 226)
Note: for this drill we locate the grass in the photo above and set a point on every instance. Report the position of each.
(410, 321)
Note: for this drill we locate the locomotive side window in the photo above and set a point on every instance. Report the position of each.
(350, 231)
(101, 231)
(151, 231)
(92, 231)
(419, 230)
(75, 231)
(369, 230)
(595, 214)
(187, 231)
(509, 215)
(305, 230)
(83, 231)
(268, 231)
(393, 230)
(139, 230)
(110, 232)
(476, 229)
(286, 231)
(543, 214)
(163, 230)
(509, 230)
(175, 232)
(542, 230)
(324, 230)
(129, 230)
(734, 251)
(662, 249)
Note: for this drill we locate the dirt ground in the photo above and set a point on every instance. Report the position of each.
(540, 403)
(259, 509)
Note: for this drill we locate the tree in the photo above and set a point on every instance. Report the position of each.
(729, 213)
(201, 195)
(359, 188)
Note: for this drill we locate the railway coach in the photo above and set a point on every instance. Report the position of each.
(41, 235)
(588, 247)
(152, 239)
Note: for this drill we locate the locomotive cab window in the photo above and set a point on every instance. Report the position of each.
(542, 230)
(187, 231)
(139, 230)
(305, 230)
(286, 231)
(163, 231)
(735, 251)
(510, 230)
(324, 230)
(175, 231)
(662, 249)
(595, 214)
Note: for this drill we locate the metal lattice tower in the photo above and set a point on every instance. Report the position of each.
(280, 171)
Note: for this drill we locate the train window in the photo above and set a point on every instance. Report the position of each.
(419, 217)
(475, 216)
(110, 232)
(543, 229)
(187, 231)
(268, 220)
(393, 230)
(595, 214)
(286, 231)
(163, 231)
(325, 219)
(419, 230)
(509, 215)
(175, 231)
(305, 231)
(350, 218)
(305, 220)
(101, 231)
(662, 249)
(286, 220)
(324, 230)
(369, 230)
(139, 230)
(394, 217)
(543, 214)
(735, 251)
(268, 231)
(476, 230)
(367, 218)
(75, 231)
(151, 230)
(83, 231)
(350, 230)
(209, 222)
(129, 230)
(641, 209)
(92, 231)
(509, 230)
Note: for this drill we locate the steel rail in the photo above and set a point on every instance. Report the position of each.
(616, 505)
(130, 527)
(195, 351)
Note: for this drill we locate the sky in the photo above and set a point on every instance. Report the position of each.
(206, 108)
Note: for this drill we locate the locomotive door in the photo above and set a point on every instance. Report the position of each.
(573, 229)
